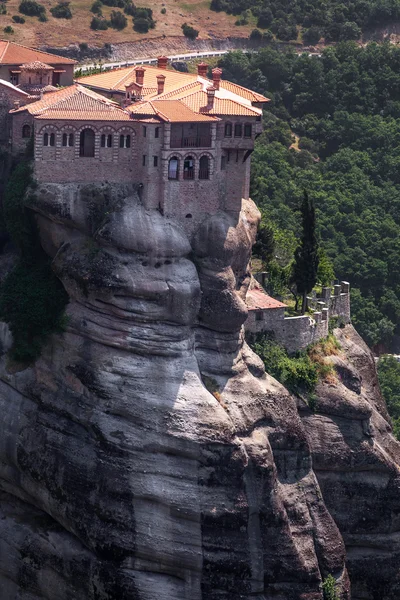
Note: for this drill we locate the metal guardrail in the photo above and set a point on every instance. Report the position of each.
(149, 61)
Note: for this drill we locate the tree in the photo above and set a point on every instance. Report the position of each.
(307, 253)
(264, 247)
(326, 271)
(62, 10)
(189, 31)
(312, 35)
(118, 20)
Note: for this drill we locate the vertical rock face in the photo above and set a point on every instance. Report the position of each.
(357, 463)
(147, 455)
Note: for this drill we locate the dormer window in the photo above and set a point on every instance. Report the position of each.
(228, 129)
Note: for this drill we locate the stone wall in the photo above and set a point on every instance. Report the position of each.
(296, 333)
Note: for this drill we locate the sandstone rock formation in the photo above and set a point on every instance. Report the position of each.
(148, 456)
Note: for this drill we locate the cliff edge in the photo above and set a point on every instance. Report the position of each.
(148, 456)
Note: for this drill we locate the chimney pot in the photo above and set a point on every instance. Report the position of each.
(139, 72)
(210, 97)
(216, 75)
(162, 62)
(160, 84)
(202, 69)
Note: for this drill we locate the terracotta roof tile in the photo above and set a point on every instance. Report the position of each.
(173, 111)
(258, 300)
(222, 106)
(16, 54)
(243, 92)
(36, 65)
(75, 103)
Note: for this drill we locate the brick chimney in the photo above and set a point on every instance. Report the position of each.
(160, 84)
(216, 75)
(210, 97)
(139, 72)
(202, 69)
(162, 62)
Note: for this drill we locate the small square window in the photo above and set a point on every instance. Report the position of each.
(259, 315)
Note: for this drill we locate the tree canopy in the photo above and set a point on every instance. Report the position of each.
(344, 109)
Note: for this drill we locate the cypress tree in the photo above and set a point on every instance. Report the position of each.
(307, 252)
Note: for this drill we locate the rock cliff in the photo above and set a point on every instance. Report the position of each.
(148, 456)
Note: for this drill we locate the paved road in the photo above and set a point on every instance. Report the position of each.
(152, 61)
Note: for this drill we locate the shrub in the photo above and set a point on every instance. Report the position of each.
(297, 373)
(143, 20)
(96, 8)
(31, 8)
(83, 47)
(118, 20)
(18, 19)
(3, 9)
(42, 18)
(163, 11)
(62, 10)
(189, 31)
(256, 35)
(98, 24)
(329, 588)
(8, 29)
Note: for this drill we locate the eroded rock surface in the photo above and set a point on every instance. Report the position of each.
(147, 455)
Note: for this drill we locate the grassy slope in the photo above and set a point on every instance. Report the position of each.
(61, 32)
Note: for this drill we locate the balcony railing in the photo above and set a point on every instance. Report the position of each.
(188, 174)
(203, 141)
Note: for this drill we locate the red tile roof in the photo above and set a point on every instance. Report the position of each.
(222, 106)
(258, 300)
(36, 65)
(16, 54)
(75, 103)
(172, 111)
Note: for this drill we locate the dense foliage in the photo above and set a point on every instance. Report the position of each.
(62, 10)
(332, 19)
(344, 108)
(389, 380)
(31, 8)
(32, 299)
(142, 17)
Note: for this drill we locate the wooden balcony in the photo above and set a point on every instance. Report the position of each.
(203, 141)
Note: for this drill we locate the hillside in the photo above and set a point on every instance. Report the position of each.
(62, 32)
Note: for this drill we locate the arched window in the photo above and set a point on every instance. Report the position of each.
(238, 130)
(204, 168)
(228, 129)
(49, 140)
(173, 168)
(68, 139)
(124, 141)
(188, 168)
(106, 140)
(247, 130)
(26, 131)
(86, 143)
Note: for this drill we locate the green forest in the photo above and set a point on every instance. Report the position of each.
(333, 20)
(332, 129)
